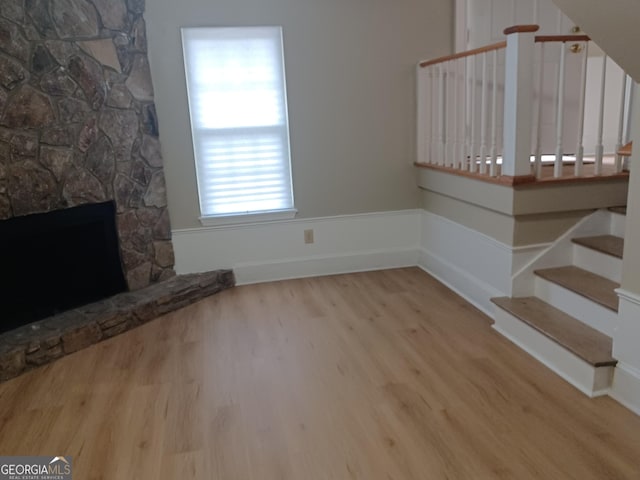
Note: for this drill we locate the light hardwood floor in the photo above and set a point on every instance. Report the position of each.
(379, 375)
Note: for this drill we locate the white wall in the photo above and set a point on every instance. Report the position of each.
(351, 89)
(626, 339)
(612, 24)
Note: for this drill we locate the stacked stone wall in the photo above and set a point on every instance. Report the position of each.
(78, 123)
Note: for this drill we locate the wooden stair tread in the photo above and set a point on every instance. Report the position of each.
(585, 342)
(585, 283)
(609, 244)
(621, 210)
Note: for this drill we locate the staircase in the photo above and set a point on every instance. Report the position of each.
(568, 315)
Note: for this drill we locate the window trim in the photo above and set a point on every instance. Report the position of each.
(248, 217)
(253, 216)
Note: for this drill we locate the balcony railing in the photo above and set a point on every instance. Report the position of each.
(523, 107)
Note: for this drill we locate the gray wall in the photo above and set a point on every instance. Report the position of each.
(350, 80)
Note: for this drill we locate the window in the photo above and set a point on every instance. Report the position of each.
(237, 101)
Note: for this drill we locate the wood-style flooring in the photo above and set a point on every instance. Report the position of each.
(378, 375)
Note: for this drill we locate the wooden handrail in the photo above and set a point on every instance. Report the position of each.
(468, 53)
(626, 150)
(562, 38)
(521, 29)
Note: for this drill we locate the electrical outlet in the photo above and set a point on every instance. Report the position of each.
(308, 236)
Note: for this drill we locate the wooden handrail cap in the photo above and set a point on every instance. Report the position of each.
(521, 29)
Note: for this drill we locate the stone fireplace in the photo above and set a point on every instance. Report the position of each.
(78, 130)
(78, 123)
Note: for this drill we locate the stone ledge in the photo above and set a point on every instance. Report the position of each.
(44, 341)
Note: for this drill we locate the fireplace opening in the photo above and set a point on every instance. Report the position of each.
(56, 261)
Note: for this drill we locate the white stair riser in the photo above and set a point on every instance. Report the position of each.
(617, 226)
(588, 312)
(586, 378)
(597, 262)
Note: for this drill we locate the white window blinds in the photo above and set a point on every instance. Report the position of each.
(237, 101)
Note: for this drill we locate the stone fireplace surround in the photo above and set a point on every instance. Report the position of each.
(78, 122)
(78, 126)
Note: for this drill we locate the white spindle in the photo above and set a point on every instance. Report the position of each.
(423, 133)
(432, 115)
(456, 106)
(483, 117)
(623, 101)
(451, 117)
(631, 86)
(494, 117)
(538, 122)
(446, 101)
(583, 90)
(472, 151)
(557, 168)
(467, 105)
(599, 145)
(441, 106)
(461, 120)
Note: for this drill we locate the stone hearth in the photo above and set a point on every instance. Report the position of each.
(54, 337)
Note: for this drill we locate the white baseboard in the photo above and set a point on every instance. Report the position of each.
(262, 252)
(472, 289)
(316, 266)
(626, 387)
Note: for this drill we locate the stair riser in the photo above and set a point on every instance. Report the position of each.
(598, 262)
(588, 312)
(617, 224)
(586, 378)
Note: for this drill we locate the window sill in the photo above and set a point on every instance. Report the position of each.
(249, 217)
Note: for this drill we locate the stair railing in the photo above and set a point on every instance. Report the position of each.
(458, 109)
(486, 111)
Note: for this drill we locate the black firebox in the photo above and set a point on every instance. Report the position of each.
(56, 261)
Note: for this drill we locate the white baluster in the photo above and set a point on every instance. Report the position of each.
(422, 123)
(557, 167)
(441, 125)
(445, 112)
(483, 117)
(583, 90)
(456, 106)
(631, 86)
(599, 145)
(472, 151)
(451, 113)
(623, 101)
(433, 112)
(538, 121)
(494, 117)
(467, 106)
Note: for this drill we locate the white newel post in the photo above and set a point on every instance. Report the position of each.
(518, 101)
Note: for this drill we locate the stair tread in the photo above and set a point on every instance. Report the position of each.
(609, 244)
(594, 287)
(585, 342)
(621, 210)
